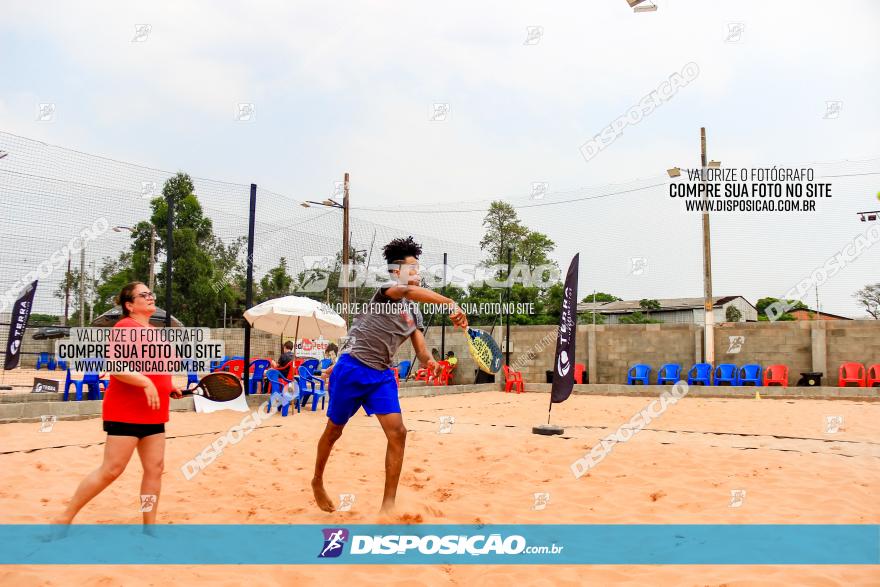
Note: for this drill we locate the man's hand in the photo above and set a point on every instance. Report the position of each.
(176, 393)
(458, 317)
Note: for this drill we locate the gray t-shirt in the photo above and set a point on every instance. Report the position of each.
(383, 326)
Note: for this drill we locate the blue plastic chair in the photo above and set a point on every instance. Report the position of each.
(311, 365)
(638, 373)
(259, 367)
(278, 393)
(91, 379)
(47, 360)
(403, 369)
(669, 373)
(62, 364)
(215, 365)
(307, 389)
(725, 373)
(192, 378)
(700, 373)
(753, 374)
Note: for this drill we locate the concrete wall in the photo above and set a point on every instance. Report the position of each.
(619, 347)
(803, 346)
(845, 341)
(765, 343)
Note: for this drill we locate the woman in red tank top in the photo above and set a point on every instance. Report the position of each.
(135, 410)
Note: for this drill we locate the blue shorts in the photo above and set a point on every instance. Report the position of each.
(353, 384)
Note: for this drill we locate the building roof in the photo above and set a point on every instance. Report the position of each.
(666, 304)
(811, 311)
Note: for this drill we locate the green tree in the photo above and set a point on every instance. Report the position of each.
(503, 230)
(762, 304)
(600, 297)
(533, 250)
(198, 293)
(36, 320)
(732, 314)
(591, 318)
(275, 283)
(322, 283)
(869, 296)
(649, 306)
(73, 280)
(638, 318)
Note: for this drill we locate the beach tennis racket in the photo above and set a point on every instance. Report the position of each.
(484, 350)
(219, 387)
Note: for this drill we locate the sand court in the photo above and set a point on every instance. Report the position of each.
(703, 461)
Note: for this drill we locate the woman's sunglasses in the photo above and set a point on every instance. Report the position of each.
(147, 295)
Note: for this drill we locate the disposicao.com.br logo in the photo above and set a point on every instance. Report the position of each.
(450, 544)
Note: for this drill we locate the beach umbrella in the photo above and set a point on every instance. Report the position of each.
(114, 315)
(297, 316)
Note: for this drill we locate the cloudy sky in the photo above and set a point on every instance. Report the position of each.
(352, 87)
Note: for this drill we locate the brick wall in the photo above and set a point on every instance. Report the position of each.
(803, 346)
(620, 346)
(857, 341)
(769, 343)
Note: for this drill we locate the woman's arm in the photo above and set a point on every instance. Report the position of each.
(140, 380)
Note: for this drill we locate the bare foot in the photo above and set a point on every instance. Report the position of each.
(323, 500)
(58, 531)
(387, 507)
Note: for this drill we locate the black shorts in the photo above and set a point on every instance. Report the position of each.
(137, 430)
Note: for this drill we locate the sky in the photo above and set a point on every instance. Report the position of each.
(352, 87)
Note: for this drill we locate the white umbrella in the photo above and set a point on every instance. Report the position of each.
(299, 316)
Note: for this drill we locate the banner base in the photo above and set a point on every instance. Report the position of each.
(547, 429)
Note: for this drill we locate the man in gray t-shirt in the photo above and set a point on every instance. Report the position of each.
(362, 377)
(378, 332)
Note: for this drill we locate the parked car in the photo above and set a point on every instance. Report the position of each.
(51, 332)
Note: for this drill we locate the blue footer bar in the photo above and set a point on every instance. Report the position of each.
(559, 544)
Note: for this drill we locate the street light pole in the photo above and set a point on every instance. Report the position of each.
(152, 257)
(345, 245)
(708, 304)
(331, 203)
(82, 285)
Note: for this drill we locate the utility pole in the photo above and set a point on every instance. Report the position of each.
(67, 292)
(94, 293)
(82, 285)
(443, 318)
(345, 245)
(707, 265)
(594, 307)
(152, 284)
(169, 256)
(507, 309)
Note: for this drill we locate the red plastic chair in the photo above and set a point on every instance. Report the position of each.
(444, 376)
(851, 373)
(235, 366)
(873, 376)
(513, 380)
(579, 369)
(776, 375)
(423, 374)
